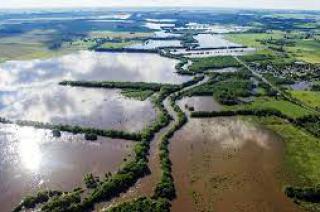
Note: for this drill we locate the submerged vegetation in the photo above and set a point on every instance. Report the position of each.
(138, 94)
(286, 54)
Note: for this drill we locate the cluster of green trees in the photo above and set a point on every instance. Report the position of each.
(188, 40)
(179, 67)
(31, 201)
(307, 194)
(143, 204)
(205, 63)
(226, 88)
(249, 112)
(315, 87)
(278, 42)
(311, 123)
(278, 80)
(115, 84)
(83, 130)
(165, 188)
(91, 181)
(138, 94)
(90, 137)
(5, 121)
(63, 202)
(226, 92)
(56, 133)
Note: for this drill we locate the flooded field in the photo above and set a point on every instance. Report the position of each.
(214, 28)
(87, 65)
(193, 53)
(303, 85)
(31, 159)
(199, 103)
(88, 107)
(163, 34)
(155, 44)
(30, 91)
(159, 25)
(213, 41)
(225, 164)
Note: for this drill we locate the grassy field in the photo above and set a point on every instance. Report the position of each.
(302, 153)
(306, 50)
(34, 44)
(31, 45)
(205, 63)
(285, 107)
(310, 98)
(251, 39)
(111, 45)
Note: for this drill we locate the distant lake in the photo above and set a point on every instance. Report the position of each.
(213, 41)
(154, 44)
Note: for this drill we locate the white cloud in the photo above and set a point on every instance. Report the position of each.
(274, 4)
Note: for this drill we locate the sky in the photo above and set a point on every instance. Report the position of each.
(264, 4)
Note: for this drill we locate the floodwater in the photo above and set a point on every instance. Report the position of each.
(225, 164)
(303, 85)
(29, 90)
(163, 34)
(158, 26)
(194, 53)
(199, 103)
(155, 44)
(144, 186)
(224, 70)
(88, 65)
(214, 28)
(31, 159)
(88, 107)
(213, 41)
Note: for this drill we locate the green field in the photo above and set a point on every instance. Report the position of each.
(306, 50)
(252, 39)
(310, 98)
(283, 106)
(206, 63)
(31, 45)
(302, 152)
(111, 45)
(35, 44)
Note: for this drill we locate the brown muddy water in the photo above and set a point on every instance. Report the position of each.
(199, 103)
(31, 159)
(226, 164)
(145, 186)
(88, 107)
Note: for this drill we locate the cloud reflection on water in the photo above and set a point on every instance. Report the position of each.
(29, 90)
(87, 65)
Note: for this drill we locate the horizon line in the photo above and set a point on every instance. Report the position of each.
(158, 7)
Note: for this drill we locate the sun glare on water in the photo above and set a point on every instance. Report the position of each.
(29, 148)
